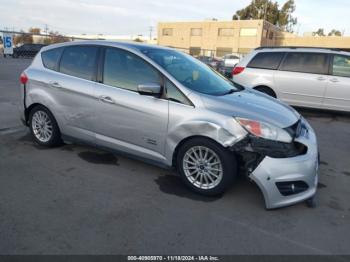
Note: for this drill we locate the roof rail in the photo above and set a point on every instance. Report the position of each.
(305, 47)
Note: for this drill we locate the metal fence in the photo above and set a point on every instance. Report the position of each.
(27, 45)
(218, 53)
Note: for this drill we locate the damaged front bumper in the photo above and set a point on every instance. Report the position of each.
(285, 173)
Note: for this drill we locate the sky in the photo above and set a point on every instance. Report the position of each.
(134, 17)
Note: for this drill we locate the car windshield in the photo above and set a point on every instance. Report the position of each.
(192, 73)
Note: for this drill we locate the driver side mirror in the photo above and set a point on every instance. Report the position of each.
(149, 89)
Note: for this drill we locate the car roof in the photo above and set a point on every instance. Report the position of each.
(302, 49)
(122, 44)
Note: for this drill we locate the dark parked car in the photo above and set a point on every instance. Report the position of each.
(210, 61)
(225, 70)
(27, 50)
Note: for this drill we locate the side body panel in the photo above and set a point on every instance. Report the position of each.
(252, 78)
(131, 122)
(68, 98)
(337, 96)
(301, 89)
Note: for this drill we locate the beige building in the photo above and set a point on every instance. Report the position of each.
(340, 42)
(218, 38)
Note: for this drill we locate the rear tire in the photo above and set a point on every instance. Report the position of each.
(43, 127)
(266, 90)
(206, 167)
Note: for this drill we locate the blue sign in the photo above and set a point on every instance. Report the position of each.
(8, 44)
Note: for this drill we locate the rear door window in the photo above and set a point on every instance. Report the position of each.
(51, 58)
(314, 63)
(341, 66)
(267, 60)
(79, 61)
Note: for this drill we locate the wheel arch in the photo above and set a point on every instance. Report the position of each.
(30, 108)
(265, 87)
(183, 141)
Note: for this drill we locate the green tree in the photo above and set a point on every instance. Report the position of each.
(34, 30)
(23, 38)
(137, 39)
(319, 32)
(55, 37)
(335, 32)
(269, 11)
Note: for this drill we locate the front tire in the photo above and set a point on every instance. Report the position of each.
(206, 167)
(43, 127)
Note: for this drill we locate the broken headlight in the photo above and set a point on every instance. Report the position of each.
(265, 130)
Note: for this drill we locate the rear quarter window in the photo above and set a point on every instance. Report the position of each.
(267, 60)
(51, 58)
(79, 61)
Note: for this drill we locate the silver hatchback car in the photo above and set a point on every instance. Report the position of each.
(165, 107)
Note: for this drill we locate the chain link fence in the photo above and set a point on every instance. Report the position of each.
(27, 45)
(218, 53)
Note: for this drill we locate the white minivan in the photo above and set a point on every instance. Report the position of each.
(305, 77)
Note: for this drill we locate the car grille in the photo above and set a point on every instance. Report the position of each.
(292, 188)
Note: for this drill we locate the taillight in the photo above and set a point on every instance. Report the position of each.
(237, 70)
(23, 78)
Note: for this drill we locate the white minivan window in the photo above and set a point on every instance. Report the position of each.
(314, 63)
(341, 65)
(266, 60)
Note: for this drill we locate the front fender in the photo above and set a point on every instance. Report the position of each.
(219, 133)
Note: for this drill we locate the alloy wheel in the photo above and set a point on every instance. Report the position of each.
(202, 167)
(42, 126)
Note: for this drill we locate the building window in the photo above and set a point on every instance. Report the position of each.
(226, 32)
(248, 32)
(271, 35)
(196, 31)
(195, 51)
(167, 31)
(265, 33)
(222, 51)
(244, 51)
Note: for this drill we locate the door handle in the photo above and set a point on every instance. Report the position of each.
(106, 99)
(334, 80)
(55, 84)
(321, 78)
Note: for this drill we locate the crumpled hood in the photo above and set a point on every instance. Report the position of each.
(253, 105)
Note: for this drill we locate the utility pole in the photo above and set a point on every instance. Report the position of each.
(150, 32)
(299, 25)
(46, 29)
